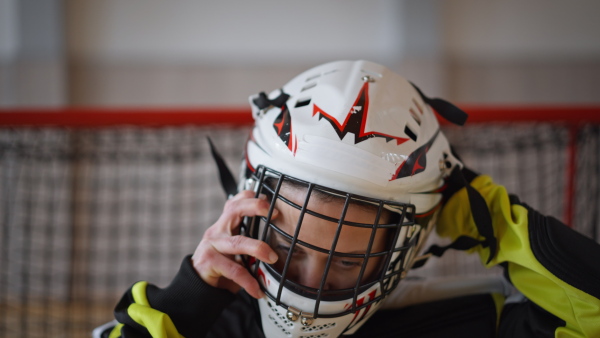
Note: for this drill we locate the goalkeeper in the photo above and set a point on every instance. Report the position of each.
(346, 172)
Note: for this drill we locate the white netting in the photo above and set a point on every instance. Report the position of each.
(85, 213)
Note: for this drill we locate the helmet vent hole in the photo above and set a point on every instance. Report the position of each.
(283, 320)
(302, 103)
(410, 133)
(310, 78)
(418, 105)
(279, 326)
(415, 116)
(308, 86)
(314, 328)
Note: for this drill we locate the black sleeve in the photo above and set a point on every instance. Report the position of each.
(526, 319)
(188, 306)
(467, 316)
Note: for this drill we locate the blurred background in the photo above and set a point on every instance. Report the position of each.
(189, 52)
(88, 210)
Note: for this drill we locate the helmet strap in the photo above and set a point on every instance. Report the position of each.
(446, 109)
(262, 101)
(227, 181)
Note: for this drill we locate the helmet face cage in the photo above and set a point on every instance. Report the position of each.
(393, 260)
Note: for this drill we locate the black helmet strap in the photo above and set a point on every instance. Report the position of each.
(227, 181)
(446, 109)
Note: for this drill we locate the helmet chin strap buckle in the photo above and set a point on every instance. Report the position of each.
(306, 318)
(448, 163)
(293, 314)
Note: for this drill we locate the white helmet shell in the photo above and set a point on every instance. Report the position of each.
(353, 126)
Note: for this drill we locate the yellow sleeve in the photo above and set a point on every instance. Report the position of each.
(551, 264)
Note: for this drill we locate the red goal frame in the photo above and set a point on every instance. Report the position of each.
(95, 117)
(571, 116)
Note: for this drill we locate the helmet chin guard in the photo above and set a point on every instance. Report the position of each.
(281, 320)
(354, 135)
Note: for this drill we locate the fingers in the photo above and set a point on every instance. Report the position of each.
(241, 205)
(240, 245)
(222, 272)
(214, 258)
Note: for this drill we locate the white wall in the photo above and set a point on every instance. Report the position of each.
(32, 58)
(216, 52)
(517, 29)
(286, 32)
(189, 52)
(238, 32)
(8, 50)
(522, 52)
(209, 52)
(8, 30)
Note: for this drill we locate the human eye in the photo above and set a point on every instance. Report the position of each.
(349, 264)
(279, 243)
(284, 248)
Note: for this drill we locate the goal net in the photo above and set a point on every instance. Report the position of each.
(87, 210)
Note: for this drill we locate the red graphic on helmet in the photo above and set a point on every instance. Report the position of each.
(416, 162)
(283, 127)
(261, 274)
(356, 120)
(365, 311)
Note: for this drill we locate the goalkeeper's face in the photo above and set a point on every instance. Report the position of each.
(338, 254)
(333, 250)
(317, 252)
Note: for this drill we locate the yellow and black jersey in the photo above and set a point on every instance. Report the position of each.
(554, 267)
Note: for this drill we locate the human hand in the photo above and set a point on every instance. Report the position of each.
(214, 258)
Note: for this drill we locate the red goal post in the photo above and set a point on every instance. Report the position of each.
(155, 117)
(571, 117)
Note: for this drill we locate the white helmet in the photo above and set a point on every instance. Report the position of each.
(357, 131)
